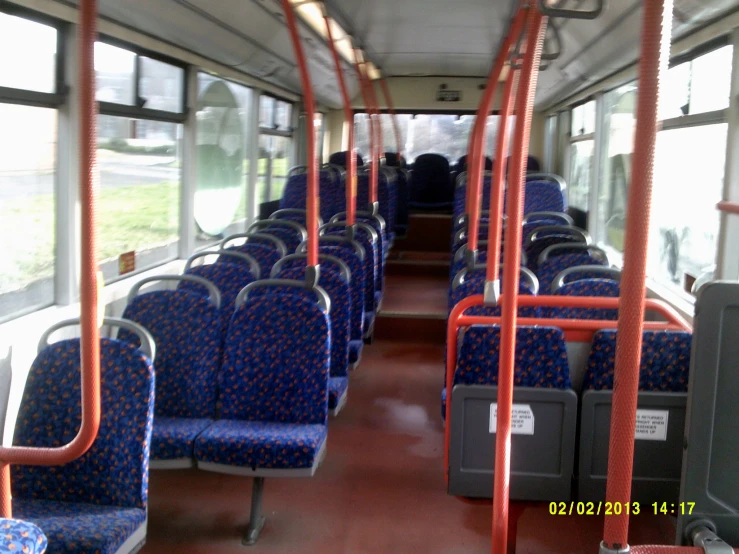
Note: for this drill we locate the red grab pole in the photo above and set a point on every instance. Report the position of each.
(351, 164)
(374, 168)
(477, 141)
(536, 28)
(655, 48)
(497, 187)
(310, 109)
(90, 334)
(396, 126)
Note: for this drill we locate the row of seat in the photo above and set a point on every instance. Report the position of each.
(560, 417)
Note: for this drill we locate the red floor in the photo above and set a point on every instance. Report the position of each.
(416, 295)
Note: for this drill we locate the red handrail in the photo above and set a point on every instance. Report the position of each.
(728, 207)
(497, 186)
(374, 161)
(535, 29)
(90, 335)
(656, 30)
(396, 125)
(310, 109)
(351, 162)
(477, 141)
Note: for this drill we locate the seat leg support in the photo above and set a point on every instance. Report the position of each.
(256, 521)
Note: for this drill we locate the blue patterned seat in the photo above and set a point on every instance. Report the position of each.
(339, 158)
(291, 237)
(372, 267)
(665, 361)
(229, 277)
(587, 287)
(386, 195)
(347, 254)
(551, 267)
(474, 283)
(544, 196)
(548, 236)
(541, 358)
(97, 503)
(331, 193)
(340, 317)
(18, 536)
(265, 254)
(187, 329)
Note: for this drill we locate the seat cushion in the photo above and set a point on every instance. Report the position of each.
(337, 387)
(81, 528)
(21, 537)
(173, 438)
(369, 320)
(260, 444)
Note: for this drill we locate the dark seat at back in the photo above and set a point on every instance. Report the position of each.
(98, 501)
(430, 182)
(391, 159)
(340, 159)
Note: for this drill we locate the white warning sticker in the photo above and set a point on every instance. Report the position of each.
(522, 419)
(651, 425)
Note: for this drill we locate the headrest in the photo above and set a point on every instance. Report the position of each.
(339, 158)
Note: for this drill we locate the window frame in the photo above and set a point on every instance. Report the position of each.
(135, 112)
(289, 134)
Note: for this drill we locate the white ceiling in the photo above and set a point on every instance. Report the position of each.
(402, 37)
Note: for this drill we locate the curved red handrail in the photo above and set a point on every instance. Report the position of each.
(497, 186)
(477, 142)
(396, 125)
(90, 335)
(655, 49)
(312, 161)
(728, 207)
(535, 29)
(374, 161)
(351, 163)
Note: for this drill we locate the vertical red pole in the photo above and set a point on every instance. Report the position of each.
(396, 125)
(475, 158)
(351, 164)
(374, 168)
(536, 25)
(655, 48)
(497, 188)
(310, 109)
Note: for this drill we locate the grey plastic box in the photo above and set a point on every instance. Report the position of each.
(542, 463)
(657, 462)
(711, 461)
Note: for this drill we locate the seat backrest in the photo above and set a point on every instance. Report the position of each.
(542, 237)
(551, 267)
(372, 269)
(230, 278)
(474, 283)
(541, 357)
(587, 287)
(340, 316)
(187, 329)
(387, 196)
(115, 470)
(430, 181)
(544, 196)
(358, 283)
(340, 159)
(391, 159)
(266, 255)
(330, 191)
(665, 361)
(284, 377)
